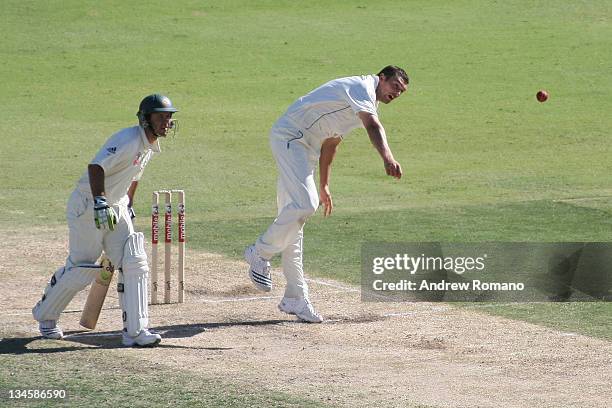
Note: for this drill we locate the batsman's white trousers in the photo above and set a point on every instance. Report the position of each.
(86, 241)
(86, 244)
(297, 199)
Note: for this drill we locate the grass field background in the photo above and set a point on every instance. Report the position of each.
(90, 377)
(483, 160)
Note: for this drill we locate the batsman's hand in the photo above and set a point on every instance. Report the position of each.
(326, 200)
(104, 215)
(393, 168)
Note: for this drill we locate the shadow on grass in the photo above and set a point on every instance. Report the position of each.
(112, 339)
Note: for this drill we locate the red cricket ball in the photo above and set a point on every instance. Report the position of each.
(542, 96)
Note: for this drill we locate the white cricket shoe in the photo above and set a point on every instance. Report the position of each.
(144, 339)
(302, 308)
(259, 269)
(50, 330)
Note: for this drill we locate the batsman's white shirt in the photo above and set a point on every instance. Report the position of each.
(123, 158)
(329, 111)
(296, 138)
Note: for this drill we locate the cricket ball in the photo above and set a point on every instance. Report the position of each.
(542, 96)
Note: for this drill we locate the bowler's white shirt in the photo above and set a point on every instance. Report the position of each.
(330, 110)
(123, 158)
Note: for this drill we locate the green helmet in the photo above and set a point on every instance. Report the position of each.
(154, 103)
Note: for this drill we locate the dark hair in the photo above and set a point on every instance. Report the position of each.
(391, 70)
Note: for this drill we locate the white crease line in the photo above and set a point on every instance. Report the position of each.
(324, 283)
(395, 314)
(341, 289)
(69, 336)
(198, 300)
(249, 299)
(235, 299)
(333, 285)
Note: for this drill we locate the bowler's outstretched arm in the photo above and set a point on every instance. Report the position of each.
(377, 135)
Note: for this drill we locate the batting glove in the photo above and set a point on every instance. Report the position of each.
(104, 215)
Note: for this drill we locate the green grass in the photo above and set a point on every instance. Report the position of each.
(590, 318)
(483, 160)
(93, 377)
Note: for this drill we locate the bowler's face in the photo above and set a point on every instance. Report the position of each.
(390, 88)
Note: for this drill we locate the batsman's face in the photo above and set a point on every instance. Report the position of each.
(390, 88)
(161, 122)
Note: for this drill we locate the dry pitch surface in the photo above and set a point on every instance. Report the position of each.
(372, 354)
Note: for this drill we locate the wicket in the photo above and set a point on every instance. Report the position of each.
(168, 244)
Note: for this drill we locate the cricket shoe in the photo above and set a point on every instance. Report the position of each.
(144, 339)
(259, 269)
(302, 308)
(50, 330)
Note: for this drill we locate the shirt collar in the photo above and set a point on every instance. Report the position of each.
(376, 81)
(153, 146)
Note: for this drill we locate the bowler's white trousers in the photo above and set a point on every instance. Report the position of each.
(297, 199)
(86, 244)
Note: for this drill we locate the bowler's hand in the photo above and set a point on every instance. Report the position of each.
(326, 200)
(131, 212)
(393, 169)
(104, 215)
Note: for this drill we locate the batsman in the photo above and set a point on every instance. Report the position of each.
(99, 214)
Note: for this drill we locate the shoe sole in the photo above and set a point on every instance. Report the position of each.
(299, 317)
(52, 335)
(155, 343)
(52, 338)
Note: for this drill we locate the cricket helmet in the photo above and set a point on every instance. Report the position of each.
(154, 103)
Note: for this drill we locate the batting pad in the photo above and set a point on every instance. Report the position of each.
(65, 283)
(132, 286)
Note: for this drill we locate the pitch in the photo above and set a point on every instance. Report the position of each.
(484, 161)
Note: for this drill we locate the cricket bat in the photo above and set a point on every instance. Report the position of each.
(97, 294)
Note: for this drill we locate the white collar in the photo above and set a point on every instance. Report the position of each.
(153, 146)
